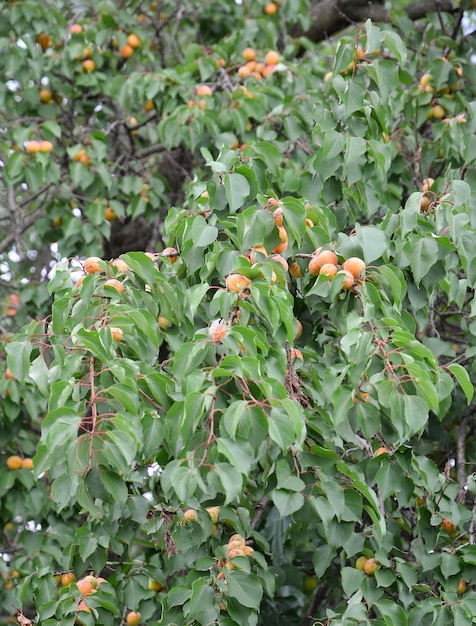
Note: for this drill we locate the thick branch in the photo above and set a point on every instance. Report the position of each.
(331, 16)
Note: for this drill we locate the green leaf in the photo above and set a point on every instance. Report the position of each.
(237, 189)
(463, 379)
(423, 254)
(18, 358)
(245, 587)
(287, 502)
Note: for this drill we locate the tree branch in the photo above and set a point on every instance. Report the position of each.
(331, 16)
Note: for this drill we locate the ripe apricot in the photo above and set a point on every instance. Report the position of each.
(133, 40)
(164, 323)
(280, 259)
(14, 462)
(32, 147)
(448, 526)
(218, 332)
(82, 157)
(328, 269)
(204, 90)
(85, 587)
(82, 606)
(109, 214)
(46, 96)
(120, 265)
(249, 54)
(115, 284)
(371, 566)
(93, 580)
(268, 69)
(283, 236)
(296, 354)
(214, 513)
(461, 586)
(354, 265)
(427, 183)
(170, 253)
(89, 65)
(236, 539)
(67, 579)
(75, 29)
(295, 270)
(271, 58)
(271, 8)
(133, 618)
(248, 550)
(278, 216)
(117, 333)
(237, 282)
(126, 51)
(9, 374)
(190, 516)
(27, 463)
(348, 281)
(45, 146)
(44, 41)
(149, 105)
(244, 71)
(13, 301)
(235, 552)
(327, 256)
(255, 253)
(92, 265)
(381, 450)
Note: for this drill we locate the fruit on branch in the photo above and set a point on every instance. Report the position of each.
(329, 270)
(360, 563)
(27, 463)
(115, 284)
(237, 282)
(92, 265)
(348, 280)
(355, 266)
(14, 462)
(190, 516)
(133, 618)
(448, 526)
(214, 513)
(170, 253)
(67, 579)
(117, 333)
(371, 566)
(283, 236)
(133, 41)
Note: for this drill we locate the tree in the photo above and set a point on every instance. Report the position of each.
(238, 297)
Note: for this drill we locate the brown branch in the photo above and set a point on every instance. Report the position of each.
(259, 510)
(21, 229)
(461, 459)
(331, 16)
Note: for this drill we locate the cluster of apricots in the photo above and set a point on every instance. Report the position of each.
(325, 263)
(9, 578)
(33, 146)
(190, 515)
(256, 68)
(236, 547)
(127, 50)
(16, 462)
(367, 565)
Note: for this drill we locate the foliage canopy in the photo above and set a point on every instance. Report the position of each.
(210, 389)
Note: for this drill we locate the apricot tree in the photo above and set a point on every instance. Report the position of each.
(238, 296)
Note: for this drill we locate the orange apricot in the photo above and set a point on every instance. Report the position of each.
(354, 265)
(67, 579)
(32, 147)
(280, 259)
(27, 463)
(261, 250)
(170, 253)
(249, 54)
(133, 40)
(89, 65)
(237, 282)
(117, 333)
(45, 146)
(271, 8)
(109, 214)
(85, 587)
(133, 618)
(115, 284)
(218, 332)
(348, 280)
(283, 236)
(14, 462)
(75, 29)
(295, 270)
(271, 58)
(126, 51)
(329, 270)
(204, 90)
(92, 265)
